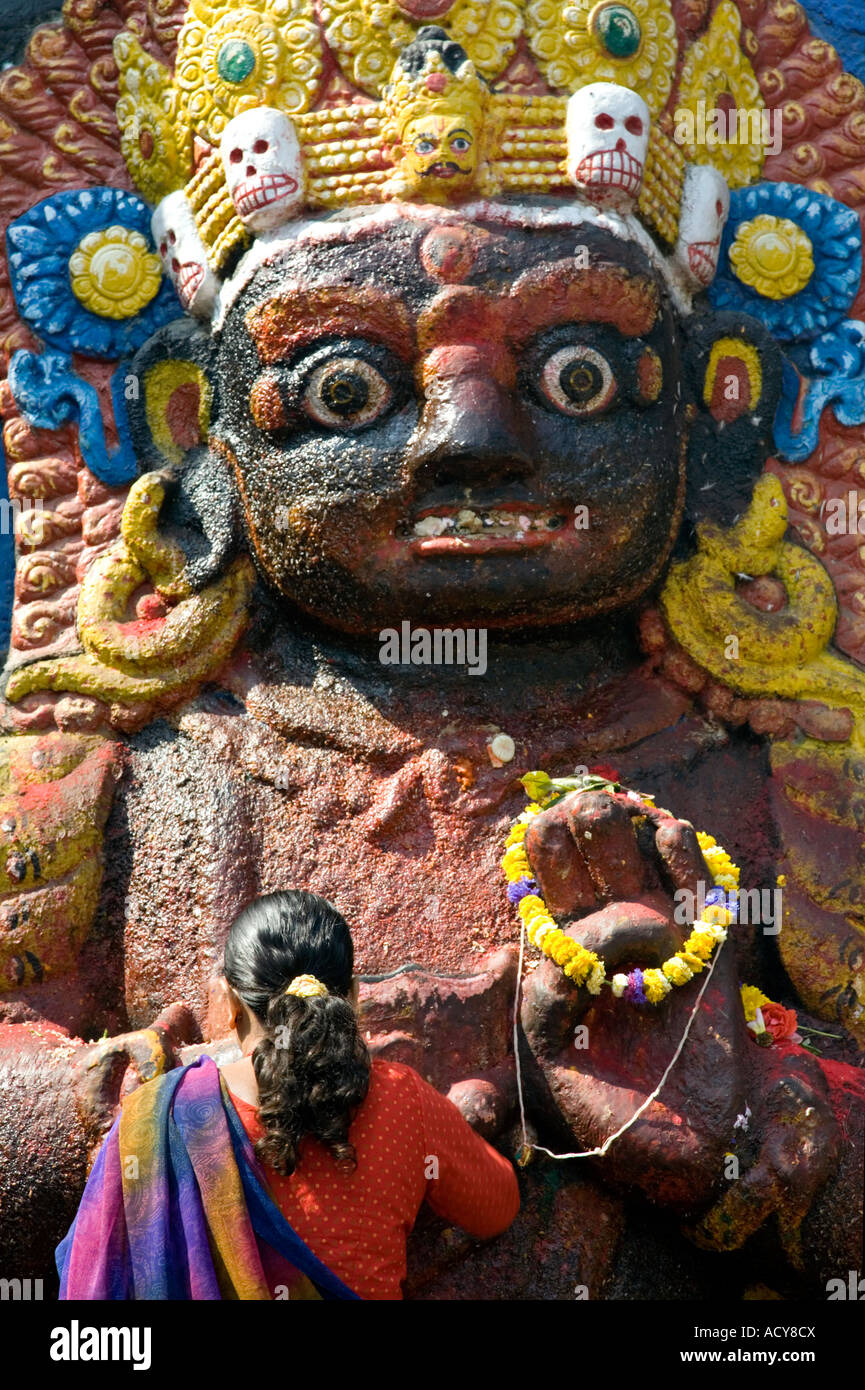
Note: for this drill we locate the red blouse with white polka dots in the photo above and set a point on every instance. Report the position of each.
(411, 1144)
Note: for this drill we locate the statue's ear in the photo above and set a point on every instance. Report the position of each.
(733, 380)
(170, 422)
(175, 398)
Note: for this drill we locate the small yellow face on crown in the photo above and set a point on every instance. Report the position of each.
(435, 121)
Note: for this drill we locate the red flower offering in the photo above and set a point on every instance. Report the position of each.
(604, 770)
(780, 1022)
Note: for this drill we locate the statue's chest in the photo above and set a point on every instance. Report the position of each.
(406, 843)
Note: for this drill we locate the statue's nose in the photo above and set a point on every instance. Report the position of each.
(471, 427)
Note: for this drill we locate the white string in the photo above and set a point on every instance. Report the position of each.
(599, 1152)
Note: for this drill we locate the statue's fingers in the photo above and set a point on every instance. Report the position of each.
(558, 865)
(686, 869)
(603, 830)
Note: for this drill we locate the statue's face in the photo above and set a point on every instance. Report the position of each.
(439, 155)
(455, 424)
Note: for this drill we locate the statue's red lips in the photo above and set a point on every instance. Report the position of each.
(479, 545)
(474, 528)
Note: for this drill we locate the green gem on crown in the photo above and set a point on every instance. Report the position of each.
(236, 61)
(618, 29)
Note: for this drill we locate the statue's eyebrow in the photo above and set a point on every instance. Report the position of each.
(566, 293)
(296, 316)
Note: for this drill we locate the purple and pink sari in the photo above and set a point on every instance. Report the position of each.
(177, 1207)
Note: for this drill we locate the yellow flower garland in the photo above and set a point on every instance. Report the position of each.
(585, 967)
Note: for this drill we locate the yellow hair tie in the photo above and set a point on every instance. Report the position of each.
(306, 987)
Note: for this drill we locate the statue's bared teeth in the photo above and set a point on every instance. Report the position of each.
(469, 522)
(431, 526)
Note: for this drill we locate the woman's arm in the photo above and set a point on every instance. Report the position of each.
(468, 1182)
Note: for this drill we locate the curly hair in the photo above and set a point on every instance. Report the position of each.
(312, 1066)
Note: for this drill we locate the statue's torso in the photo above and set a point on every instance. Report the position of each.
(397, 817)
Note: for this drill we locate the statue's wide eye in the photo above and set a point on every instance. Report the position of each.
(346, 392)
(578, 380)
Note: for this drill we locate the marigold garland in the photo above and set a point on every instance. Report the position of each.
(585, 967)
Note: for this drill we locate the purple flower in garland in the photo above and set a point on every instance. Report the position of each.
(719, 897)
(521, 889)
(634, 992)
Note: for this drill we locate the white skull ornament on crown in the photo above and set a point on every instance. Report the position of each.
(183, 254)
(703, 213)
(607, 129)
(263, 167)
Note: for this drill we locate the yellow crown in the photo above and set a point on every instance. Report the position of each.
(362, 83)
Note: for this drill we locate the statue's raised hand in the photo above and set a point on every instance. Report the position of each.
(608, 866)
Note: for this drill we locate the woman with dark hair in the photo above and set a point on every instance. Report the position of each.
(298, 1171)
